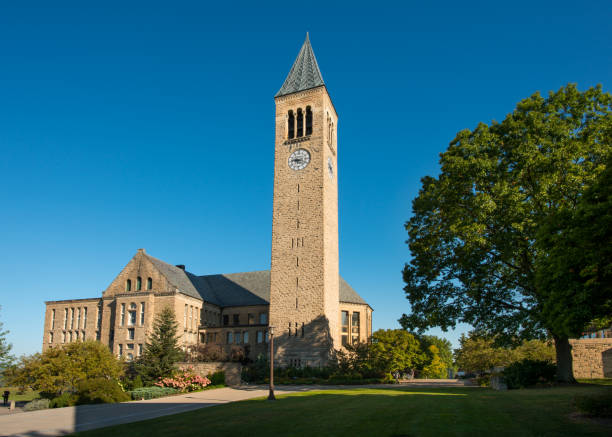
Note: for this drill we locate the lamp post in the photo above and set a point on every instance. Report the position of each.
(271, 396)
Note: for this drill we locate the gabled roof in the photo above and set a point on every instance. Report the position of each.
(233, 289)
(304, 74)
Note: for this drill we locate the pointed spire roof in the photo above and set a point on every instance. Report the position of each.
(304, 74)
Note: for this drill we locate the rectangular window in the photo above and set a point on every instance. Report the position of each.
(140, 349)
(120, 350)
(50, 337)
(267, 337)
(230, 337)
(130, 346)
(63, 337)
(65, 317)
(142, 312)
(98, 318)
(345, 327)
(130, 333)
(122, 320)
(52, 319)
(355, 328)
(98, 335)
(71, 318)
(259, 337)
(70, 337)
(238, 337)
(191, 317)
(236, 319)
(83, 335)
(76, 336)
(78, 318)
(185, 317)
(263, 318)
(225, 320)
(132, 316)
(85, 317)
(245, 337)
(251, 319)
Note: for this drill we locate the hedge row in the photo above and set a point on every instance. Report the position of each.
(152, 392)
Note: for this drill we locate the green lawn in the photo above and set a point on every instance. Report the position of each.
(14, 396)
(397, 412)
(597, 381)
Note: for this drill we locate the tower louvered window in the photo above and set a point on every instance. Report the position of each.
(308, 121)
(300, 123)
(291, 125)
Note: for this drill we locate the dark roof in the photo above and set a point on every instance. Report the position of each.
(233, 289)
(304, 74)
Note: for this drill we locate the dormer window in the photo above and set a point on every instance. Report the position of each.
(291, 125)
(149, 283)
(128, 285)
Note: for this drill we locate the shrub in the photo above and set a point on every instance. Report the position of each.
(595, 405)
(184, 380)
(484, 380)
(137, 383)
(63, 400)
(36, 404)
(152, 392)
(100, 391)
(527, 373)
(217, 378)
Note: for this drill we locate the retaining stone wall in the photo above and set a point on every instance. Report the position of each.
(232, 370)
(592, 357)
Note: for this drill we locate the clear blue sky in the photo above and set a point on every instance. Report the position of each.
(128, 125)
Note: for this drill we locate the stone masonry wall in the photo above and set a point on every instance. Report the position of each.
(232, 370)
(592, 357)
(304, 266)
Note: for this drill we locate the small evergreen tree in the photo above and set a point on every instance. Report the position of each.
(161, 352)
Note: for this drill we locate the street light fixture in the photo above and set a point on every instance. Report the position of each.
(271, 396)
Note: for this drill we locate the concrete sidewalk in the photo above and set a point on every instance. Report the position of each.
(62, 421)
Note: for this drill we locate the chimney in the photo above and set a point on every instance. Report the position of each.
(141, 250)
(181, 266)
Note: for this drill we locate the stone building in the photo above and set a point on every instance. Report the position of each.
(312, 309)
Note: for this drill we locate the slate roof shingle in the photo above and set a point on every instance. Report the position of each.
(233, 289)
(304, 73)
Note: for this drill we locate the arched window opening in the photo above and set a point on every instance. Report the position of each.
(308, 121)
(138, 283)
(128, 285)
(149, 283)
(291, 125)
(300, 123)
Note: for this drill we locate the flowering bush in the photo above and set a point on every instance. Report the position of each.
(184, 380)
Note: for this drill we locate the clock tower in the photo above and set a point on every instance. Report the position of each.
(304, 293)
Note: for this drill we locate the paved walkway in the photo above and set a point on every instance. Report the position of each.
(62, 421)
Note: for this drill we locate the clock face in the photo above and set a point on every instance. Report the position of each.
(330, 168)
(299, 159)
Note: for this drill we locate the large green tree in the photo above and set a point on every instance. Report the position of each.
(576, 260)
(478, 352)
(474, 234)
(396, 350)
(63, 369)
(161, 352)
(444, 350)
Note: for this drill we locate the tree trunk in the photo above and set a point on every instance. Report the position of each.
(563, 350)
